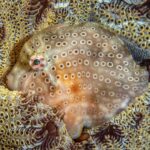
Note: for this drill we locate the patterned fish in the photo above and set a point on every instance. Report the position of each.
(84, 71)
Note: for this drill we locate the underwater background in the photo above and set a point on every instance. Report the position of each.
(28, 124)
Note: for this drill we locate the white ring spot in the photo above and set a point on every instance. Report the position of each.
(74, 63)
(107, 80)
(119, 67)
(101, 78)
(65, 76)
(82, 51)
(95, 76)
(117, 83)
(110, 64)
(119, 56)
(126, 87)
(86, 62)
(67, 34)
(98, 45)
(96, 63)
(83, 34)
(88, 53)
(125, 63)
(111, 55)
(100, 54)
(103, 63)
(89, 42)
(61, 66)
(103, 36)
(64, 43)
(53, 37)
(58, 44)
(68, 64)
(130, 78)
(75, 51)
(82, 41)
(95, 35)
(88, 74)
(72, 76)
(61, 36)
(112, 73)
(74, 42)
(74, 34)
(64, 54)
(104, 44)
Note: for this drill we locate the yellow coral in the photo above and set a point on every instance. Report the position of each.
(25, 123)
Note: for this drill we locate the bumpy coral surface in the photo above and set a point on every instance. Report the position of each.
(25, 123)
(87, 73)
(129, 18)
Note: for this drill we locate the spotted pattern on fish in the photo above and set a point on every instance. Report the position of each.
(83, 71)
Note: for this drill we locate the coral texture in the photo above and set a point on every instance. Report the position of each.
(19, 19)
(25, 123)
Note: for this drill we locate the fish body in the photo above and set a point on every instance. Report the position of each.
(84, 71)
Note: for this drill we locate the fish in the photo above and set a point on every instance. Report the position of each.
(84, 71)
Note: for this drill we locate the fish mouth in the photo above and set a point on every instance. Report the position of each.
(10, 82)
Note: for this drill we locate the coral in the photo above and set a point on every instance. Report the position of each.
(26, 123)
(20, 18)
(126, 20)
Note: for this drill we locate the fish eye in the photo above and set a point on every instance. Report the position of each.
(36, 62)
